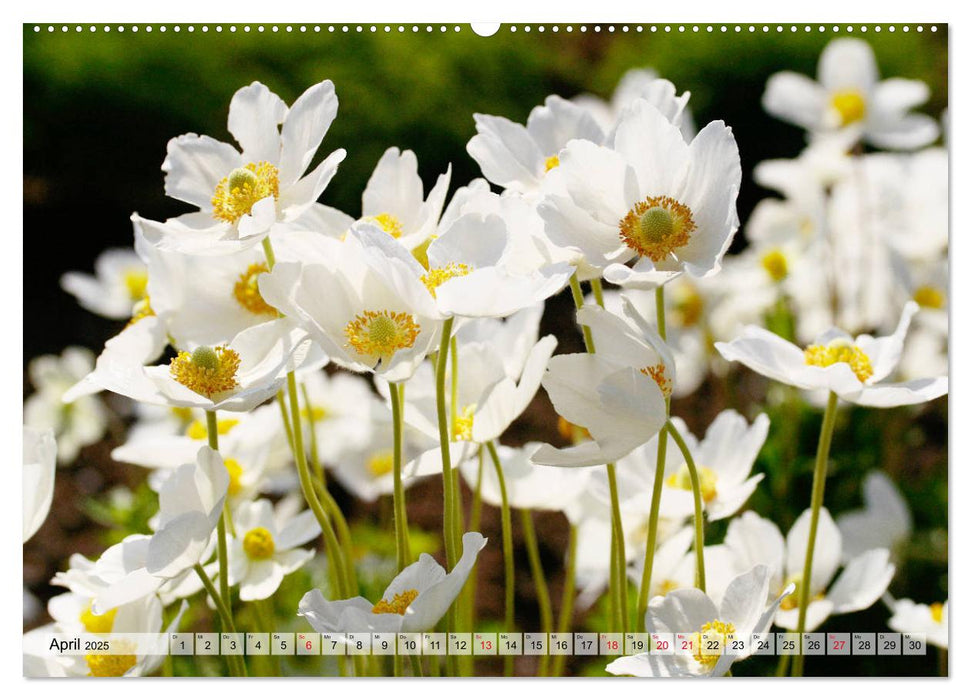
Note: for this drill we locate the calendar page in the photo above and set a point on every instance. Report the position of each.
(519, 350)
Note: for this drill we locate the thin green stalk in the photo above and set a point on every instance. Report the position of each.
(334, 551)
(816, 504)
(444, 436)
(415, 666)
(782, 669)
(236, 665)
(565, 622)
(264, 619)
(539, 579)
(327, 500)
(644, 595)
(222, 551)
(508, 559)
(619, 548)
(699, 518)
(314, 454)
(618, 559)
(578, 302)
(652, 521)
(403, 548)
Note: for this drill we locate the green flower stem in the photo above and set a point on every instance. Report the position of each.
(699, 509)
(212, 432)
(816, 503)
(444, 436)
(403, 548)
(598, 291)
(652, 521)
(328, 502)
(565, 622)
(314, 454)
(539, 579)
(662, 452)
(578, 302)
(264, 618)
(509, 562)
(334, 551)
(415, 666)
(236, 664)
(618, 558)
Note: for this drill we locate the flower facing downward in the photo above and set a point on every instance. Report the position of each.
(207, 371)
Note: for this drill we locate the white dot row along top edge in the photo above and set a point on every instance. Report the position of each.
(486, 30)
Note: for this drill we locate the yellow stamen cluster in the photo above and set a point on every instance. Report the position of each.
(110, 665)
(235, 471)
(659, 373)
(207, 371)
(775, 264)
(937, 612)
(462, 430)
(708, 481)
(840, 350)
(247, 290)
(136, 282)
(381, 463)
(715, 627)
(388, 223)
(572, 432)
(98, 624)
(398, 604)
(197, 429)
(929, 297)
(552, 162)
(381, 333)
(850, 105)
(315, 413)
(656, 227)
(439, 275)
(236, 193)
(258, 543)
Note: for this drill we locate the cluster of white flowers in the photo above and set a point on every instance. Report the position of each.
(383, 349)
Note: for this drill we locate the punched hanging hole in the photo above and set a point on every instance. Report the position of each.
(485, 28)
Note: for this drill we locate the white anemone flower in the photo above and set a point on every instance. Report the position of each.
(468, 270)
(341, 408)
(723, 458)
(40, 462)
(518, 157)
(743, 611)
(235, 377)
(190, 506)
(617, 394)
(884, 521)
(119, 282)
(241, 195)
(675, 563)
(755, 540)
(852, 368)
(76, 421)
(266, 546)
(367, 310)
(930, 620)
(72, 615)
(496, 380)
(644, 84)
(849, 95)
(394, 199)
(651, 196)
(414, 601)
